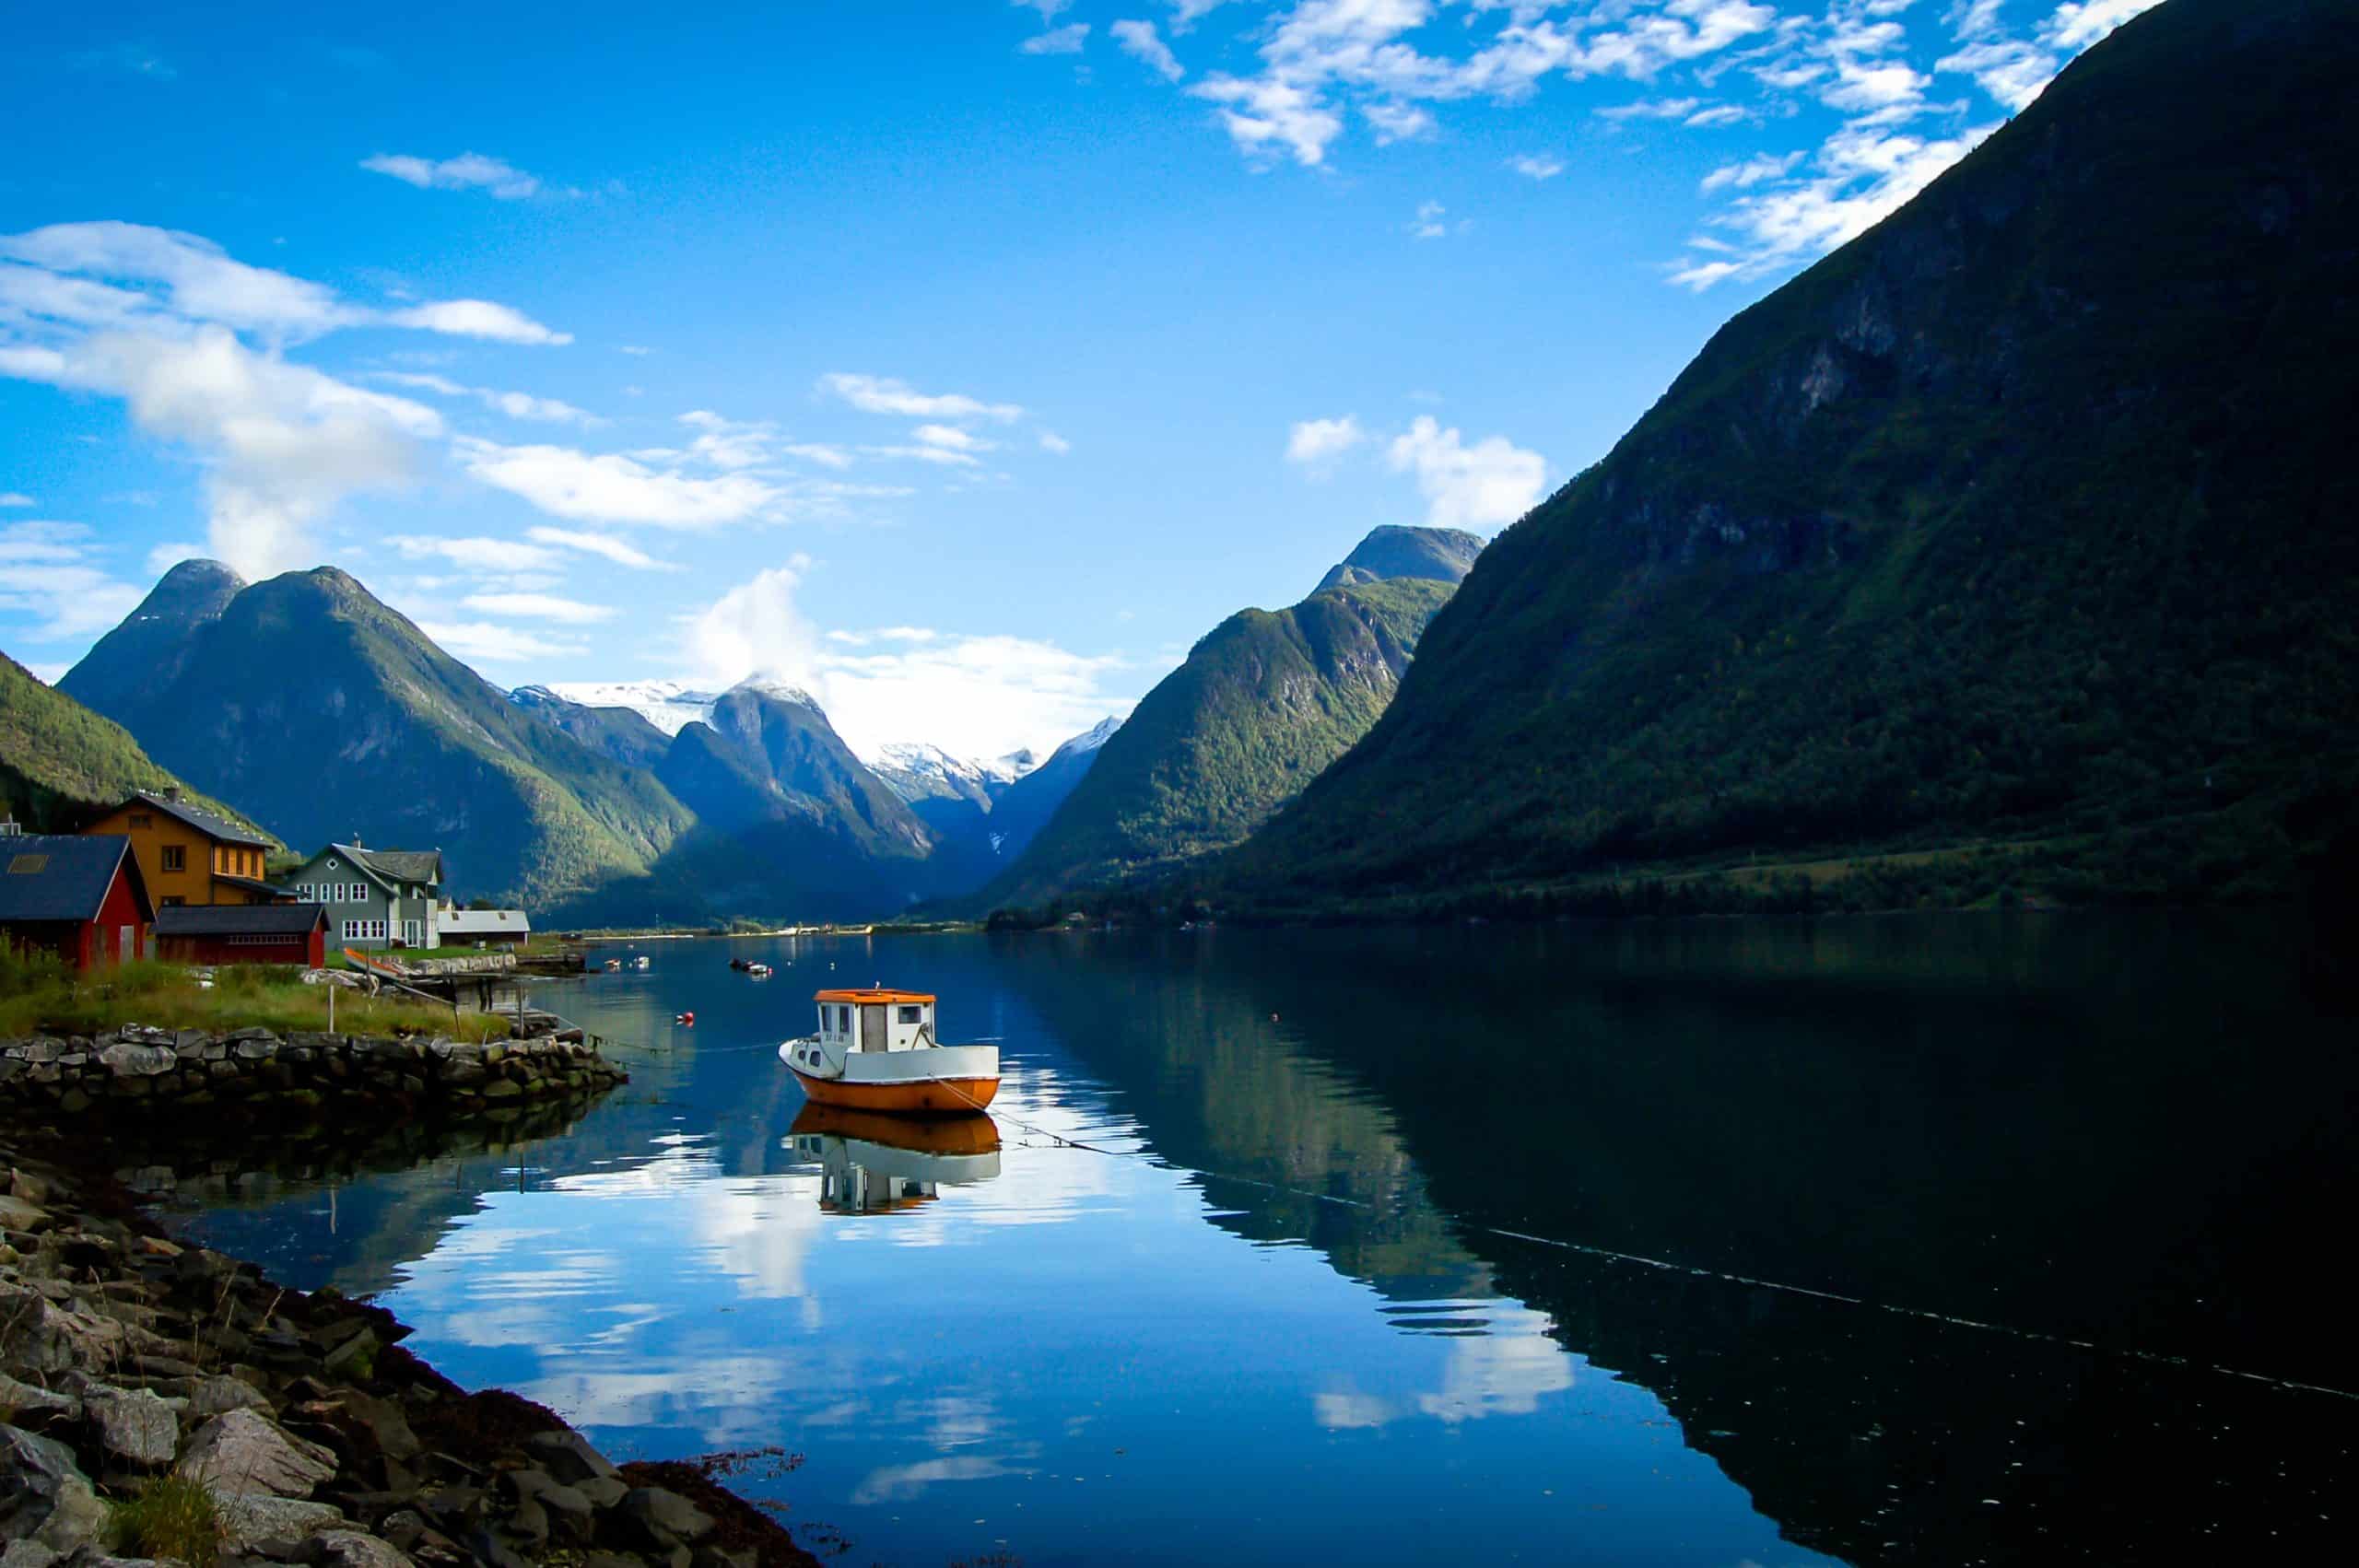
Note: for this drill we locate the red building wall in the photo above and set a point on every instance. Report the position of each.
(311, 952)
(102, 940)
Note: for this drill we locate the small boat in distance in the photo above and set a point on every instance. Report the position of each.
(876, 1051)
(758, 971)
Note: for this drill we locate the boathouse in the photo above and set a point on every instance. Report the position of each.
(226, 933)
(79, 897)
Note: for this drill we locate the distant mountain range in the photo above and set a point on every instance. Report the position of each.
(2010, 546)
(1259, 707)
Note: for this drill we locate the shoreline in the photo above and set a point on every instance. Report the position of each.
(135, 1368)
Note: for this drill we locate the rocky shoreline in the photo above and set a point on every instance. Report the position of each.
(254, 1071)
(162, 1401)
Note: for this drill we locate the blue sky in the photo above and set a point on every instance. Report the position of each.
(964, 362)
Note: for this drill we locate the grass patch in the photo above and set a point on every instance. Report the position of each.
(40, 995)
(173, 1517)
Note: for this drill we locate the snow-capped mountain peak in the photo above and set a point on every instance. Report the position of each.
(670, 705)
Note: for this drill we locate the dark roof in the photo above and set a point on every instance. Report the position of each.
(399, 865)
(62, 877)
(239, 919)
(218, 828)
(250, 886)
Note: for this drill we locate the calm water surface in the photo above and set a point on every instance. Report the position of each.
(1922, 1240)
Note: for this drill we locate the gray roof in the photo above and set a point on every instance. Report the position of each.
(61, 876)
(239, 919)
(399, 865)
(215, 827)
(484, 923)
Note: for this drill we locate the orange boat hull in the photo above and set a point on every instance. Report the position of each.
(938, 1097)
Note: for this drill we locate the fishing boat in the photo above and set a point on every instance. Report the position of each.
(873, 1163)
(758, 971)
(876, 1051)
(640, 962)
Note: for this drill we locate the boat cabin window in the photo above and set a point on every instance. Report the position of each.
(912, 1014)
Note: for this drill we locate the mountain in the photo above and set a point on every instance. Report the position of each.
(670, 705)
(1440, 554)
(791, 821)
(958, 801)
(2015, 534)
(142, 654)
(1260, 706)
(620, 734)
(1027, 805)
(326, 715)
(60, 764)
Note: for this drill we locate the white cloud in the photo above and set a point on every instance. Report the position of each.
(1267, 112)
(514, 404)
(1651, 109)
(730, 443)
(972, 695)
(883, 394)
(2076, 25)
(477, 553)
(1397, 122)
(468, 171)
(2010, 70)
(820, 452)
(1065, 40)
(949, 438)
(1537, 166)
(1314, 443)
(163, 557)
(1052, 442)
(1751, 172)
(615, 550)
(18, 499)
(491, 643)
(1483, 486)
(176, 280)
(1049, 10)
(477, 318)
(1862, 174)
(1427, 223)
(43, 575)
(540, 607)
(609, 487)
(1717, 115)
(284, 444)
(939, 456)
(1140, 41)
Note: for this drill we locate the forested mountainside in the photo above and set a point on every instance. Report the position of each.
(2023, 520)
(325, 713)
(1259, 708)
(61, 764)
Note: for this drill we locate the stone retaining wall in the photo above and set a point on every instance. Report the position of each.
(254, 1071)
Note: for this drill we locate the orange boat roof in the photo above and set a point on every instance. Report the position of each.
(873, 993)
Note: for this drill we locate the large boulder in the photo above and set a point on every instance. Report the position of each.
(133, 1424)
(250, 1519)
(241, 1451)
(44, 1497)
(126, 1060)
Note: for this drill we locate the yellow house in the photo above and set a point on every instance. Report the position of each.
(187, 856)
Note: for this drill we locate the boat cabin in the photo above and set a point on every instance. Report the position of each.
(874, 1020)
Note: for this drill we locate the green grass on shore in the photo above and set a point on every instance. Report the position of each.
(39, 995)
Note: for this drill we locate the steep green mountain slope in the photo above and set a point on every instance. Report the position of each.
(128, 666)
(60, 763)
(328, 715)
(1260, 706)
(2028, 514)
(794, 824)
(619, 734)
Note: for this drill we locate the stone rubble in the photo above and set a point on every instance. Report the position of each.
(125, 1358)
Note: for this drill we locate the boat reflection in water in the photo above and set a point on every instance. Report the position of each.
(875, 1163)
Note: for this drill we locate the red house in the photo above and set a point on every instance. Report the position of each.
(243, 933)
(80, 897)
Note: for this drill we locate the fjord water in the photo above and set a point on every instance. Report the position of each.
(1933, 1239)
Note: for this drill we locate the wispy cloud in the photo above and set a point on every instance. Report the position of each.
(1316, 443)
(1067, 40)
(1485, 485)
(883, 394)
(46, 573)
(468, 171)
(540, 607)
(1140, 41)
(612, 488)
(1537, 166)
(621, 552)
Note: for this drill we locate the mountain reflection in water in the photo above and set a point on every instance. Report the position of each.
(1286, 1223)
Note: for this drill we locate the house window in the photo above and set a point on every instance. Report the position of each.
(142, 819)
(175, 857)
